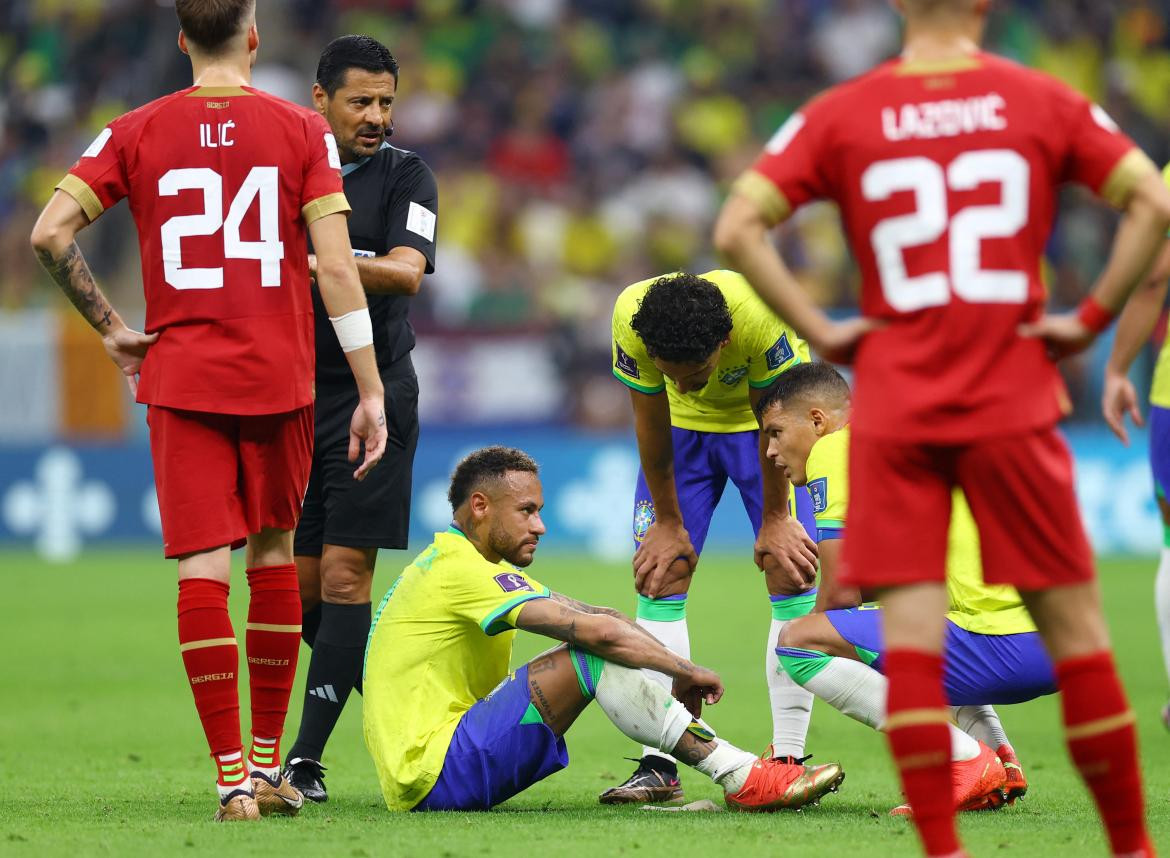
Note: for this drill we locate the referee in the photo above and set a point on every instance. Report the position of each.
(344, 523)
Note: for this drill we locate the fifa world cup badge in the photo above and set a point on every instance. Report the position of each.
(643, 518)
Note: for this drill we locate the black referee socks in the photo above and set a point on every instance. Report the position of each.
(334, 667)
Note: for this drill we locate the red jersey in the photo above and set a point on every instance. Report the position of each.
(947, 180)
(222, 182)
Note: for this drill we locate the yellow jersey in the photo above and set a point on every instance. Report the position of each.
(441, 640)
(1160, 386)
(761, 347)
(986, 609)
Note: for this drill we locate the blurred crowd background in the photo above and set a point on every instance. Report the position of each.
(580, 145)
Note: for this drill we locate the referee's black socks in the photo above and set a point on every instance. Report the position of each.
(334, 667)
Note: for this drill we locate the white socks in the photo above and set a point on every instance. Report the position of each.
(791, 704)
(674, 636)
(1162, 604)
(647, 713)
(983, 723)
(728, 766)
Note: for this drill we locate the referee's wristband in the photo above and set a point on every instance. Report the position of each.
(1093, 316)
(354, 329)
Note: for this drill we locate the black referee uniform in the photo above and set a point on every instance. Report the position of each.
(395, 203)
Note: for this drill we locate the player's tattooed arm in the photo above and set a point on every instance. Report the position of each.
(586, 608)
(71, 273)
(605, 634)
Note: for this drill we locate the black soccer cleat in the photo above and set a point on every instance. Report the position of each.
(308, 776)
(655, 780)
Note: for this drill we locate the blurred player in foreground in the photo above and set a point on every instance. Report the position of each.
(993, 652)
(696, 352)
(222, 181)
(946, 163)
(1134, 328)
(392, 228)
(450, 729)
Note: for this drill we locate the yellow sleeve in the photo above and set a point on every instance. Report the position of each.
(490, 595)
(631, 365)
(771, 346)
(827, 470)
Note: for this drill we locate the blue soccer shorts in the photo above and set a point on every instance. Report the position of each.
(978, 669)
(500, 747)
(703, 463)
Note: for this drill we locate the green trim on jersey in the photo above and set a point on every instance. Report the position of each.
(767, 382)
(494, 623)
(641, 388)
(531, 715)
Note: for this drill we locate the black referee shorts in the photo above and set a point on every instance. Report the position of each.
(374, 513)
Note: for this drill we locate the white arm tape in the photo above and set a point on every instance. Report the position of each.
(354, 329)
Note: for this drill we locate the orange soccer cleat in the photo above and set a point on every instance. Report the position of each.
(1017, 784)
(978, 784)
(776, 784)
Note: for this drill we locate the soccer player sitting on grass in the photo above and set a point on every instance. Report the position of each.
(450, 729)
(993, 652)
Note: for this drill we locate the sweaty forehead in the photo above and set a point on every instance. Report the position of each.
(522, 487)
(363, 82)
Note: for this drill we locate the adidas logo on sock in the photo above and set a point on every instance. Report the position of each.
(325, 692)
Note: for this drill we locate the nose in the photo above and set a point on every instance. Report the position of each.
(537, 525)
(373, 116)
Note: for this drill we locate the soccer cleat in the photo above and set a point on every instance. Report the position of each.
(237, 807)
(655, 780)
(276, 796)
(977, 784)
(774, 784)
(308, 777)
(1017, 784)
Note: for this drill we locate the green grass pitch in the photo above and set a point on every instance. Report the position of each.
(101, 752)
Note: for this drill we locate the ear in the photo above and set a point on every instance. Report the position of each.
(253, 43)
(320, 98)
(183, 43)
(479, 504)
(820, 423)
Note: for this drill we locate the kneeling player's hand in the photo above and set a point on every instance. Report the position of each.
(368, 429)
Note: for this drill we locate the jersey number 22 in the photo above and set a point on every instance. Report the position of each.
(968, 228)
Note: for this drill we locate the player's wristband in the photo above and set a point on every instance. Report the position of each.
(1093, 316)
(354, 330)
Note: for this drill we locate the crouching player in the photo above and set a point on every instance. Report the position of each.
(993, 652)
(450, 729)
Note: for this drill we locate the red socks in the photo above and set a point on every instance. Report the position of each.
(1102, 741)
(208, 646)
(273, 640)
(916, 724)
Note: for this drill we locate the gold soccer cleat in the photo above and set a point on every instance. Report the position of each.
(241, 807)
(777, 784)
(278, 796)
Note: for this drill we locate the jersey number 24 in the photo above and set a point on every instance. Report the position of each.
(262, 183)
(968, 228)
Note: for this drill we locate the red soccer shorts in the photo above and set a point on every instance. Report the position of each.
(221, 477)
(1020, 489)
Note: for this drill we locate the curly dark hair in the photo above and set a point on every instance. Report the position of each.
(805, 380)
(683, 318)
(488, 463)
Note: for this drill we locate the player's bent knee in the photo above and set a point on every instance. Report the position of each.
(346, 576)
